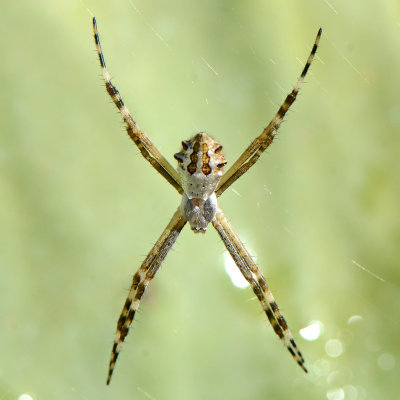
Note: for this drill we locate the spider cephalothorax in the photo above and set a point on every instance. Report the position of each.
(200, 166)
(200, 180)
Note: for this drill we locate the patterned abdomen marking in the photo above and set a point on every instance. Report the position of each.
(205, 158)
(200, 165)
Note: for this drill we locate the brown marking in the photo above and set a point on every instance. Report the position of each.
(206, 169)
(218, 149)
(192, 167)
(179, 157)
(185, 144)
(196, 146)
(222, 165)
(282, 322)
(205, 158)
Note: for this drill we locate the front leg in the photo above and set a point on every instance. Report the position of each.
(140, 281)
(257, 281)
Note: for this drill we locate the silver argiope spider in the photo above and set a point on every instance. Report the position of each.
(200, 180)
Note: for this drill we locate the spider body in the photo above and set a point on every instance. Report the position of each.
(199, 178)
(200, 167)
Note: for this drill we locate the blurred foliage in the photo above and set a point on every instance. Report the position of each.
(80, 208)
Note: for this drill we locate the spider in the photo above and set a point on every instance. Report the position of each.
(200, 180)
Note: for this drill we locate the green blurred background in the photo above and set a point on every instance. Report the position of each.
(80, 208)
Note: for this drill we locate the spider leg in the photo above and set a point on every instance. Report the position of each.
(257, 147)
(258, 283)
(140, 282)
(142, 141)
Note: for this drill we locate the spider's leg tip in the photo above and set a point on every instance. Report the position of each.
(319, 31)
(303, 367)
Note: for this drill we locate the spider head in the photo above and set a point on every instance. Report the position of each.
(199, 213)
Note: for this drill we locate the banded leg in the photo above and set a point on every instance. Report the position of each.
(140, 282)
(258, 283)
(142, 141)
(257, 147)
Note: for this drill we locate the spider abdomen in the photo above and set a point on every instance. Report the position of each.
(200, 166)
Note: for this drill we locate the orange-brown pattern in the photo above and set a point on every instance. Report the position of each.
(201, 144)
(200, 165)
(199, 178)
(192, 167)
